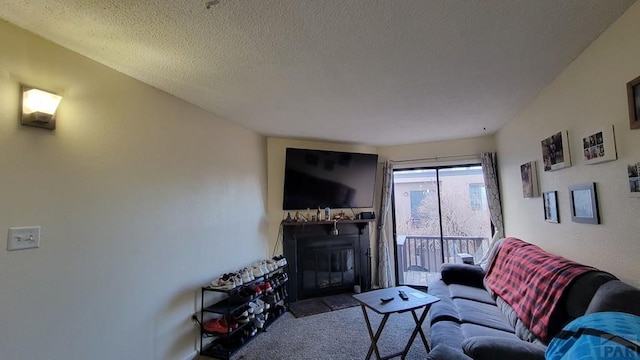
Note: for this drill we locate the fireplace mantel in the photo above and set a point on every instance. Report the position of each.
(297, 235)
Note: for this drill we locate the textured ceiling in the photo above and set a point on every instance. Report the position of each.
(358, 71)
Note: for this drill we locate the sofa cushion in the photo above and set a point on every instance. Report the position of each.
(443, 309)
(447, 333)
(439, 288)
(481, 314)
(471, 293)
(470, 330)
(520, 329)
(464, 274)
(445, 352)
(490, 348)
(616, 296)
(582, 290)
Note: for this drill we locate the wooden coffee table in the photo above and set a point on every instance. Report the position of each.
(417, 300)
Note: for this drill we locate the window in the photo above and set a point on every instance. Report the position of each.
(478, 197)
(417, 198)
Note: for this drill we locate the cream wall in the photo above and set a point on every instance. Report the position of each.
(276, 149)
(142, 199)
(446, 151)
(588, 95)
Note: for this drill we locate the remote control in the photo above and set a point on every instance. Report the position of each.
(386, 299)
(403, 296)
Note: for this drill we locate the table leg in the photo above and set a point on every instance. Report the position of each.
(374, 338)
(418, 329)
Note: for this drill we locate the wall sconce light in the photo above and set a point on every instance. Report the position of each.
(38, 108)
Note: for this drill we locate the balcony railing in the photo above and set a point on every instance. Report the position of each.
(426, 253)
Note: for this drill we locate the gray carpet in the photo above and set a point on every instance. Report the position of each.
(334, 335)
(322, 304)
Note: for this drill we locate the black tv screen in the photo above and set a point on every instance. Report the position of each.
(317, 179)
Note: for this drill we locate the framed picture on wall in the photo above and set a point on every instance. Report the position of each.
(633, 98)
(555, 151)
(529, 177)
(599, 146)
(633, 170)
(550, 200)
(584, 203)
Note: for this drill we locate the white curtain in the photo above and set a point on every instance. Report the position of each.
(385, 273)
(490, 172)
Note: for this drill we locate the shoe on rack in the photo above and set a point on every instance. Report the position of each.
(251, 289)
(247, 277)
(241, 296)
(257, 289)
(237, 278)
(282, 278)
(257, 270)
(219, 326)
(272, 264)
(228, 323)
(257, 308)
(224, 282)
(270, 299)
(258, 321)
(280, 260)
(241, 316)
(264, 305)
(263, 267)
(265, 287)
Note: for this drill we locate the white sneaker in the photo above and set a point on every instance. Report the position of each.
(263, 267)
(264, 305)
(257, 271)
(272, 264)
(223, 282)
(237, 278)
(246, 276)
(257, 308)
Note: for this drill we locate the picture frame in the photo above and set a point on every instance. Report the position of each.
(550, 201)
(529, 176)
(584, 203)
(555, 151)
(633, 175)
(633, 99)
(599, 146)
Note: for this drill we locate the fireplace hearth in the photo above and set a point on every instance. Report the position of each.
(321, 263)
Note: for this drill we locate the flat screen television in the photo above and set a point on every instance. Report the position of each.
(318, 179)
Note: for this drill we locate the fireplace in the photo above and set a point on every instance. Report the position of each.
(321, 263)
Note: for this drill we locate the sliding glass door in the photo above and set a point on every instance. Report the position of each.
(440, 216)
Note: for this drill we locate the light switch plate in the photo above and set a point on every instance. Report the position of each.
(20, 238)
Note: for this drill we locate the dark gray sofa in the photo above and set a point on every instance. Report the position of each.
(471, 322)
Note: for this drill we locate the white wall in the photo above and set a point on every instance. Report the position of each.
(439, 151)
(586, 96)
(142, 199)
(276, 151)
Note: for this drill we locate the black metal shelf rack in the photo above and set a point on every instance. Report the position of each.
(224, 345)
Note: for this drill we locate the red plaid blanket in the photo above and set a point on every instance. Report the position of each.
(533, 281)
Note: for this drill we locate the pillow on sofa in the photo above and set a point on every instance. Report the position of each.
(463, 274)
(493, 347)
(616, 296)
